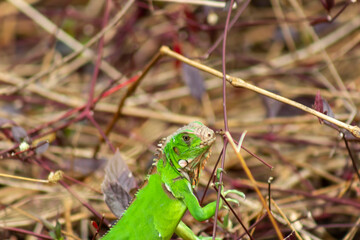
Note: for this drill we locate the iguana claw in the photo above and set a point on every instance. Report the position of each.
(218, 171)
(241, 194)
(207, 238)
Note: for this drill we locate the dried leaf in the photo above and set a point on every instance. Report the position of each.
(279, 109)
(19, 134)
(272, 106)
(4, 121)
(117, 184)
(194, 80)
(41, 147)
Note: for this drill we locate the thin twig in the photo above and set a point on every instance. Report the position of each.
(356, 170)
(24, 178)
(211, 177)
(236, 216)
(286, 219)
(231, 24)
(213, 4)
(26, 232)
(250, 176)
(98, 59)
(224, 114)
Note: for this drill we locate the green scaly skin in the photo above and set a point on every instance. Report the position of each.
(158, 207)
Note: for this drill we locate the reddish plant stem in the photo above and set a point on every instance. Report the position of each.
(237, 217)
(81, 183)
(95, 75)
(255, 156)
(347, 3)
(98, 59)
(75, 110)
(233, 21)
(98, 228)
(103, 135)
(78, 118)
(72, 192)
(64, 125)
(225, 114)
(211, 177)
(26, 232)
(352, 157)
(254, 225)
(82, 201)
(10, 149)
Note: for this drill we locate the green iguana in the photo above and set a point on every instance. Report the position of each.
(167, 193)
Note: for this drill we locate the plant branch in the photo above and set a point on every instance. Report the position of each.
(240, 83)
(224, 114)
(250, 176)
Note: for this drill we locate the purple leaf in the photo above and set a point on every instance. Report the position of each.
(278, 109)
(272, 106)
(194, 80)
(318, 104)
(327, 109)
(117, 184)
(321, 105)
(19, 134)
(41, 147)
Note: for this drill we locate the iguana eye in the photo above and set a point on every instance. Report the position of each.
(186, 138)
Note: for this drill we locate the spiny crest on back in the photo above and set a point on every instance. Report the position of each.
(187, 149)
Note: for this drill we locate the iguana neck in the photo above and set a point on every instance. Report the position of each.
(167, 171)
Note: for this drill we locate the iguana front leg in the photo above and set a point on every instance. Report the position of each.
(200, 213)
(186, 233)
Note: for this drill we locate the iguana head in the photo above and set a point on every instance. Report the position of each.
(188, 149)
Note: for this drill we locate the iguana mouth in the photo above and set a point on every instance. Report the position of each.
(194, 167)
(207, 142)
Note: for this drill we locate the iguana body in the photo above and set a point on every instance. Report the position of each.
(158, 207)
